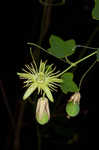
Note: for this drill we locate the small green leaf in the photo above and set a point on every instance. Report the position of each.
(95, 12)
(61, 48)
(97, 55)
(68, 85)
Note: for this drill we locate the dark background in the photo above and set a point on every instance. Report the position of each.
(20, 23)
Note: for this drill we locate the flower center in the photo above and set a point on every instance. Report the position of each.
(41, 77)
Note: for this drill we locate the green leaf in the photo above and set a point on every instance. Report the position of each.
(95, 12)
(68, 85)
(97, 55)
(61, 48)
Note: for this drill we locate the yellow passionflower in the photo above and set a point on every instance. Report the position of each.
(43, 78)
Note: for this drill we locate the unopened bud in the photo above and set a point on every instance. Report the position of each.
(42, 111)
(73, 105)
(72, 109)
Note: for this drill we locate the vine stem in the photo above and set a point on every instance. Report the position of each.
(36, 45)
(77, 62)
(83, 46)
(5, 100)
(68, 61)
(72, 64)
(39, 138)
(86, 73)
(49, 4)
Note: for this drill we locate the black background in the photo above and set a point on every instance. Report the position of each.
(20, 23)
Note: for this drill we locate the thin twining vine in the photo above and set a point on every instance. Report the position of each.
(33, 44)
(83, 76)
(72, 64)
(76, 63)
(52, 4)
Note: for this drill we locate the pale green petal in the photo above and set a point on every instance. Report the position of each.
(48, 93)
(51, 72)
(54, 79)
(31, 69)
(54, 74)
(25, 75)
(29, 91)
(52, 87)
(49, 68)
(42, 66)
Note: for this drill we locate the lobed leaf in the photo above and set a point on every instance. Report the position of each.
(68, 85)
(95, 12)
(61, 48)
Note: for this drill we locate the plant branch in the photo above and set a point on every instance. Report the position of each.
(77, 62)
(51, 4)
(82, 78)
(36, 45)
(84, 46)
(7, 105)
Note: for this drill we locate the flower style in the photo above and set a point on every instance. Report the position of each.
(44, 79)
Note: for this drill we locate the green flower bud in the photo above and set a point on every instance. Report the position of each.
(43, 120)
(42, 111)
(72, 109)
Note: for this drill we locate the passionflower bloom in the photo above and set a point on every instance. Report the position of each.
(42, 111)
(43, 78)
